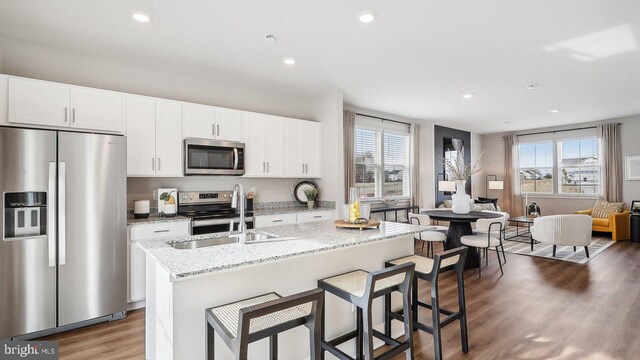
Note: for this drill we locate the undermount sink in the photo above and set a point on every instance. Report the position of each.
(194, 244)
(260, 236)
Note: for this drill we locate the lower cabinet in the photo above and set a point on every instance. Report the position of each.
(293, 218)
(137, 263)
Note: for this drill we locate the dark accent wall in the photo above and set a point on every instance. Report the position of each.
(439, 134)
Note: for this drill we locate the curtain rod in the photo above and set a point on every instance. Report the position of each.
(383, 119)
(557, 131)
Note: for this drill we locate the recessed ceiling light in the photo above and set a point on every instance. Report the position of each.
(141, 17)
(289, 60)
(468, 96)
(366, 16)
(271, 38)
(555, 111)
(532, 86)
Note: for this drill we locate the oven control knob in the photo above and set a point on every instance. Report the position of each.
(184, 197)
(225, 195)
(191, 197)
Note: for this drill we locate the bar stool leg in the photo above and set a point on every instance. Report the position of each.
(367, 332)
(387, 315)
(322, 330)
(435, 314)
(360, 337)
(315, 339)
(273, 347)
(414, 303)
(407, 303)
(211, 337)
(462, 308)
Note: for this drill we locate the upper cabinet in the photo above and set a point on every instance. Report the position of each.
(209, 122)
(36, 102)
(303, 148)
(264, 145)
(154, 137)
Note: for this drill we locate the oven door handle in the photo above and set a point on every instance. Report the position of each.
(235, 158)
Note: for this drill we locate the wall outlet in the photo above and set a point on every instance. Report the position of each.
(253, 190)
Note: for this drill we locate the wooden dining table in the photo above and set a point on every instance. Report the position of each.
(459, 226)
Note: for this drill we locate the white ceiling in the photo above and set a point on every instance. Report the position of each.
(415, 60)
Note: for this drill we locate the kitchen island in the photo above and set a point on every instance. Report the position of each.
(182, 283)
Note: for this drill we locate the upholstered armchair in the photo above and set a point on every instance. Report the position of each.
(616, 224)
(564, 230)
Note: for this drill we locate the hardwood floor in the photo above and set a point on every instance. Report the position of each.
(539, 309)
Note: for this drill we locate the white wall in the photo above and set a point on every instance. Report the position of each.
(328, 110)
(478, 180)
(494, 147)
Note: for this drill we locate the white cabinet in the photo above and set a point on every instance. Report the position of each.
(94, 109)
(137, 263)
(275, 220)
(311, 216)
(154, 137)
(264, 145)
(293, 218)
(169, 138)
(36, 102)
(303, 149)
(208, 122)
(228, 124)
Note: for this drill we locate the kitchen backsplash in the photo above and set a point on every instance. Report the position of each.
(291, 204)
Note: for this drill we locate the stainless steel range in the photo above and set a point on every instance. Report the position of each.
(211, 211)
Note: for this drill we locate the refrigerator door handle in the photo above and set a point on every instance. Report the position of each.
(51, 214)
(62, 170)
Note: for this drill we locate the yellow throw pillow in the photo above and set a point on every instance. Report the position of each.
(602, 209)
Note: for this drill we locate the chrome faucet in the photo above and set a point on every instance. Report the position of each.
(238, 195)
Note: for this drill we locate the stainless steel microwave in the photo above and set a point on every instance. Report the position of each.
(213, 157)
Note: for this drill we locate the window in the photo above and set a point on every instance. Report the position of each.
(567, 165)
(536, 167)
(381, 159)
(578, 166)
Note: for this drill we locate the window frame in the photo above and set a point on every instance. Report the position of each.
(556, 168)
(553, 168)
(379, 179)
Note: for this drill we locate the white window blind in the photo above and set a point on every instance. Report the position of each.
(381, 158)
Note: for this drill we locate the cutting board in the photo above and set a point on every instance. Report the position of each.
(372, 224)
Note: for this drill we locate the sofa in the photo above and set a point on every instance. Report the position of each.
(616, 224)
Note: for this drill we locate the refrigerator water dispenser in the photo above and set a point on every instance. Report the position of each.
(25, 215)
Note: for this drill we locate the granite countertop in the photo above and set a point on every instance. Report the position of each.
(293, 240)
(289, 210)
(155, 219)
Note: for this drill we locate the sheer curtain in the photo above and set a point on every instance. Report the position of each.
(349, 121)
(611, 160)
(416, 188)
(512, 199)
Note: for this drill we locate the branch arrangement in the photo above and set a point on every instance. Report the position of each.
(458, 170)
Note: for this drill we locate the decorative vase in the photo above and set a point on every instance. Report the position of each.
(460, 200)
(311, 204)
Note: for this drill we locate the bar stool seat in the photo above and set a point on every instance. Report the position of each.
(228, 315)
(265, 316)
(355, 282)
(424, 264)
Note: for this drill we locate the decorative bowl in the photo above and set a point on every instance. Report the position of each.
(389, 202)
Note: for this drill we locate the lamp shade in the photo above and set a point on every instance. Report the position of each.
(446, 186)
(496, 185)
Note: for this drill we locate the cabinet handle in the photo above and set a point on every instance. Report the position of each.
(267, 167)
(160, 231)
(213, 130)
(73, 115)
(218, 128)
(317, 216)
(306, 168)
(264, 167)
(66, 114)
(276, 221)
(153, 164)
(158, 164)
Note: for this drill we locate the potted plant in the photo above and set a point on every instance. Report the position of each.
(312, 194)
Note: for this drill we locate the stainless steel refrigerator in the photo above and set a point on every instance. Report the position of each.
(63, 250)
